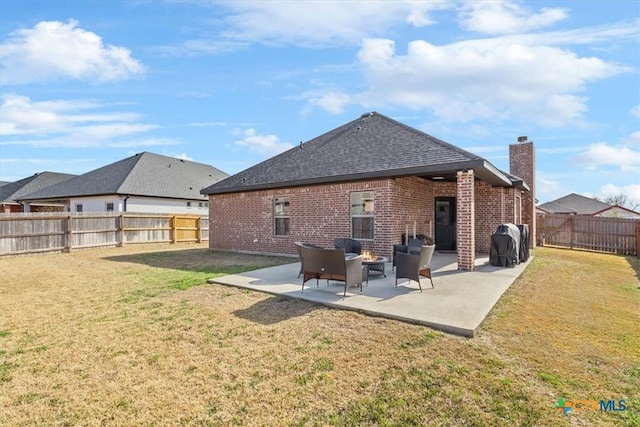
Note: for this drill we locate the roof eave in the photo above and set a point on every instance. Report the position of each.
(483, 170)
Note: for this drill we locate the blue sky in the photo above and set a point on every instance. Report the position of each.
(231, 83)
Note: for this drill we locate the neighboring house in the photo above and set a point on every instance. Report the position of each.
(617, 211)
(11, 192)
(372, 179)
(575, 204)
(145, 183)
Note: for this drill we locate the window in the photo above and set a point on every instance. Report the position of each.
(362, 215)
(518, 210)
(188, 205)
(281, 216)
(78, 207)
(199, 205)
(110, 207)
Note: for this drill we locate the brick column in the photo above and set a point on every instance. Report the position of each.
(522, 163)
(466, 220)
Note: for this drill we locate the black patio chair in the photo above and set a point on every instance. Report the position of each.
(304, 245)
(415, 264)
(350, 246)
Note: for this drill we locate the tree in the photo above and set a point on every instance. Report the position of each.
(620, 200)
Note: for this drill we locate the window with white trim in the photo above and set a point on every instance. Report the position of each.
(281, 216)
(362, 220)
(79, 207)
(109, 206)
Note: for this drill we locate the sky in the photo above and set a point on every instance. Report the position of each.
(231, 83)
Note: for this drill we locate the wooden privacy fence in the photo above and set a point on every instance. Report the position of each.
(40, 232)
(615, 235)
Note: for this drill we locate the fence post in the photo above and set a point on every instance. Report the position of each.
(638, 238)
(199, 229)
(571, 223)
(172, 225)
(69, 233)
(122, 232)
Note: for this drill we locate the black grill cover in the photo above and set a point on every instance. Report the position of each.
(505, 246)
(524, 242)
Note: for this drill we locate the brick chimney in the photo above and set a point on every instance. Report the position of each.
(522, 163)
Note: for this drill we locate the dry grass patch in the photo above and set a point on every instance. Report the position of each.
(133, 335)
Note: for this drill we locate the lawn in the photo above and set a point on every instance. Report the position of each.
(135, 336)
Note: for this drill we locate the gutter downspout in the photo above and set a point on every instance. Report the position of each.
(124, 207)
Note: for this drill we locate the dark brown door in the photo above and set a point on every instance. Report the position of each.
(445, 220)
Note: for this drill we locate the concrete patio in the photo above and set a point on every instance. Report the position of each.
(458, 304)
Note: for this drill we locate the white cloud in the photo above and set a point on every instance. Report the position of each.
(466, 81)
(266, 145)
(183, 156)
(632, 140)
(207, 124)
(69, 123)
(333, 102)
(321, 23)
(549, 188)
(635, 111)
(632, 191)
(602, 154)
(506, 17)
(55, 50)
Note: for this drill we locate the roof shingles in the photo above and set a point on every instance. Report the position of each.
(144, 174)
(371, 146)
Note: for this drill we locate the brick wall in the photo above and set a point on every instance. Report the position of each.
(494, 206)
(411, 202)
(318, 214)
(522, 163)
(465, 227)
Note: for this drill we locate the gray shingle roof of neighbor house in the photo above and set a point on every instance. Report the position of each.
(372, 146)
(574, 203)
(11, 192)
(144, 174)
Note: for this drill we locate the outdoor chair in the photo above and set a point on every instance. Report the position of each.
(332, 264)
(413, 243)
(350, 246)
(415, 264)
(306, 245)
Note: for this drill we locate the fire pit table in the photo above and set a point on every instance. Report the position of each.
(375, 266)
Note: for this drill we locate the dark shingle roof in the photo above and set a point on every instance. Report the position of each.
(144, 174)
(575, 203)
(372, 146)
(13, 191)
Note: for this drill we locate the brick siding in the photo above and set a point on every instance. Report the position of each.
(522, 163)
(320, 213)
(465, 226)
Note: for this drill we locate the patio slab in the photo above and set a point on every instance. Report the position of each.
(458, 304)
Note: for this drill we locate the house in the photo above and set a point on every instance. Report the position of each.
(144, 183)
(617, 211)
(575, 204)
(11, 192)
(372, 179)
